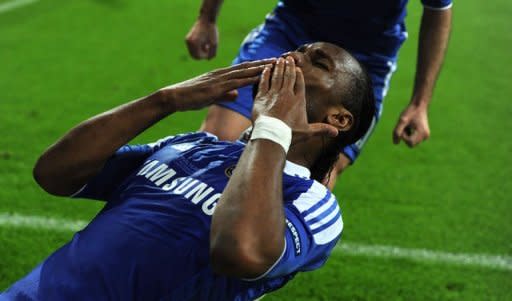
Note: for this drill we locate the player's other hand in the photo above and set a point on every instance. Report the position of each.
(202, 39)
(213, 86)
(281, 94)
(412, 126)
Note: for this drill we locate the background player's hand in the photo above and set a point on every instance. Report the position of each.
(412, 126)
(282, 95)
(202, 39)
(216, 85)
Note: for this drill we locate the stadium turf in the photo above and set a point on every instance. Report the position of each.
(63, 61)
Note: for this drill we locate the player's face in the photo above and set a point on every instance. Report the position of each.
(322, 65)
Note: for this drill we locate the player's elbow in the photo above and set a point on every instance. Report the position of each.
(46, 179)
(42, 177)
(242, 259)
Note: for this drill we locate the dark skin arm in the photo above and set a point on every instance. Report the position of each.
(413, 127)
(210, 10)
(203, 37)
(247, 233)
(80, 154)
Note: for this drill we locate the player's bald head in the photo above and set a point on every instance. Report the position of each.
(334, 77)
(336, 85)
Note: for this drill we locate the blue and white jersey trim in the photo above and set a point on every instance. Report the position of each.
(325, 216)
(438, 8)
(321, 213)
(437, 4)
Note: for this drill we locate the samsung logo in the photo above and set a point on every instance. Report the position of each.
(197, 192)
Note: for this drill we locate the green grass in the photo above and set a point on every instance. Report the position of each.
(63, 61)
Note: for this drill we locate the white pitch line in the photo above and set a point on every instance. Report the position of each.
(499, 262)
(40, 222)
(8, 6)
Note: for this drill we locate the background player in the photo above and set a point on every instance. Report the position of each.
(372, 31)
(156, 238)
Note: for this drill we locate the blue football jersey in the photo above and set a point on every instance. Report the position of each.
(371, 27)
(151, 239)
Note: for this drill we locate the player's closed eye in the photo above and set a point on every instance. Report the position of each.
(319, 63)
(321, 59)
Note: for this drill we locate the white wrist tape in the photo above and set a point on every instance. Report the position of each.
(272, 129)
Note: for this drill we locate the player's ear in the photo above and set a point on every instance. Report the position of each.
(340, 118)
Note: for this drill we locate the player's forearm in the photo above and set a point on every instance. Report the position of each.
(69, 163)
(81, 153)
(247, 233)
(433, 41)
(210, 10)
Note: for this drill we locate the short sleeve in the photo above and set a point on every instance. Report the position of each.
(313, 227)
(437, 4)
(118, 167)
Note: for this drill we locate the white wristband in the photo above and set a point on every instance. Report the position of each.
(272, 129)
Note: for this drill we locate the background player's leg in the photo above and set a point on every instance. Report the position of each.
(228, 120)
(381, 75)
(224, 123)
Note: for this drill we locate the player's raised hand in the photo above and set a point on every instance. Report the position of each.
(412, 126)
(202, 39)
(216, 85)
(282, 95)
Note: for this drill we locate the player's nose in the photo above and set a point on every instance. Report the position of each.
(298, 57)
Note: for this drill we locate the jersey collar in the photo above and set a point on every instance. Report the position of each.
(290, 168)
(294, 169)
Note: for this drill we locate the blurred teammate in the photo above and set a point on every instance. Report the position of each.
(179, 223)
(372, 31)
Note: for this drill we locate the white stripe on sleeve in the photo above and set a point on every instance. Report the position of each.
(329, 217)
(309, 198)
(320, 211)
(330, 233)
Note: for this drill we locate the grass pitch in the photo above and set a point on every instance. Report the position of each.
(63, 61)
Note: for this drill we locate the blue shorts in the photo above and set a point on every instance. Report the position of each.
(282, 33)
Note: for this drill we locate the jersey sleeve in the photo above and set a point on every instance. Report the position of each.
(313, 227)
(437, 4)
(118, 167)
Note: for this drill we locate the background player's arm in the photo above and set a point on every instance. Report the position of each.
(247, 233)
(81, 153)
(203, 37)
(412, 126)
